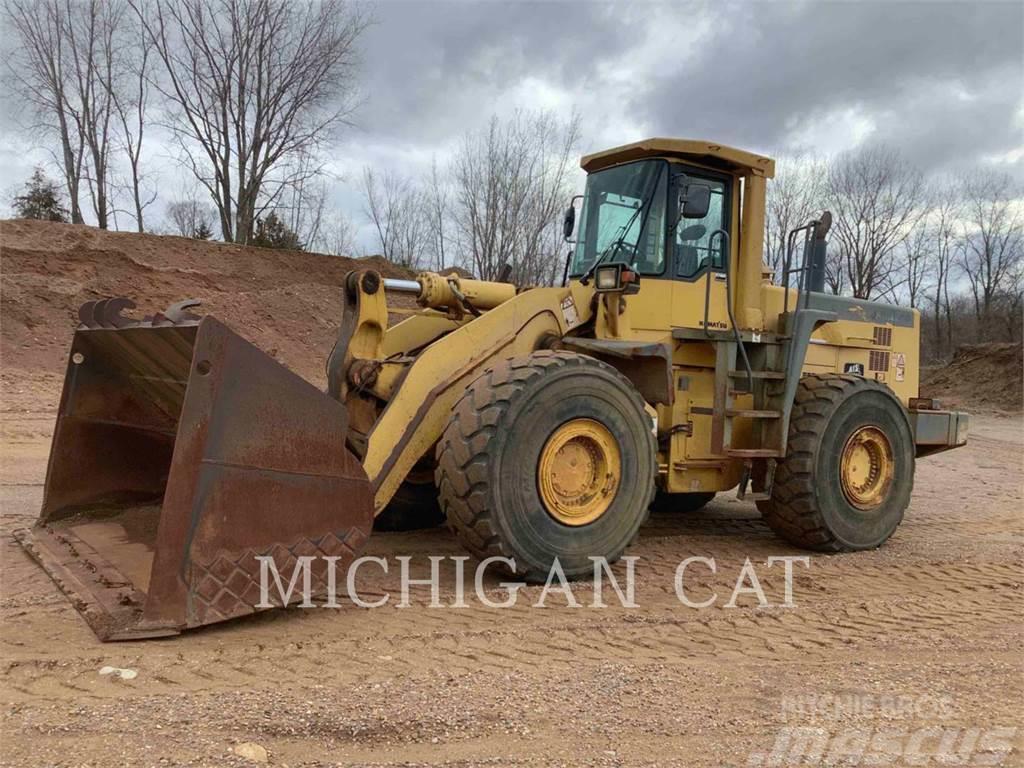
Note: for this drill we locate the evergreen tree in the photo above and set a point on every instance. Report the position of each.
(42, 200)
(202, 232)
(272, 232)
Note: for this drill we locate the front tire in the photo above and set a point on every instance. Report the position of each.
(547, 456)
(848, 472)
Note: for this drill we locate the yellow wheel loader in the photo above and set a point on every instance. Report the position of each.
(670, 365)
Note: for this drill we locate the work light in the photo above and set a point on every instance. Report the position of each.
(607, 278)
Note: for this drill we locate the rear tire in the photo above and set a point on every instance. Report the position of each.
(489, 459)
(849, 467)
(680, 503)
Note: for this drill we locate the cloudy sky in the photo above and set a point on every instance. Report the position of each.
(942, 82)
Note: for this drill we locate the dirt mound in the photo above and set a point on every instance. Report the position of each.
(286, 302)
(980, 376)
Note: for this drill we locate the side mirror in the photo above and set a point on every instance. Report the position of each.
(694, 201)
(569, 221)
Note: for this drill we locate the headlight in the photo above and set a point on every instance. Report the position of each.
(607, 278)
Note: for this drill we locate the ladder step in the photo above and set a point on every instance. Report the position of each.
(734, 392)
(744, 413)
(773, 375)
(752, 453)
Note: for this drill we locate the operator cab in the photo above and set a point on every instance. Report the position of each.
(658, 207)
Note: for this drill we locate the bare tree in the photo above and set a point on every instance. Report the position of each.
(336, 235)
(128, 89)
(993, 241)
(65, 68)
(190, 216)
(302, 203)
(1010, 303)
(93, 42)
(250, 86)
(396, 209)
(876, 200)
(437, 197)
(795, 196)
(510, 182)
(944, 224)
(835, 269)
(43, 77)
(914, 268)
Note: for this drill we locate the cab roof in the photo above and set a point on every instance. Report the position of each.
(695, 150)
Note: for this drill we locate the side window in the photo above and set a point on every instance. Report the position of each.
(695, 249)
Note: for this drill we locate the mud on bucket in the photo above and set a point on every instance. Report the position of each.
(181, 453)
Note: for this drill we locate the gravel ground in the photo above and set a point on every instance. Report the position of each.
(923, 633)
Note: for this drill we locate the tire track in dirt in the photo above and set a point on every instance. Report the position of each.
(945, 591)
(418, 641)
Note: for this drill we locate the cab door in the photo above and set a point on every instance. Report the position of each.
(698, 270)
(649, 312)
(699, 302)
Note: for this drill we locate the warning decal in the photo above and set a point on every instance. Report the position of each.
(569, 313)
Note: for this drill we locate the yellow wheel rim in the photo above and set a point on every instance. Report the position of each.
(579, 472)
(867, 468)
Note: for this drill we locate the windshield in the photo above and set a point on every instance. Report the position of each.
(623, 217)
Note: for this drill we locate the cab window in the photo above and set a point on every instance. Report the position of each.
(623, 218)
(695, 250)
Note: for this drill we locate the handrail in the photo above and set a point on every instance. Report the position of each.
(707, 298)
(724, 237)
(804, 283)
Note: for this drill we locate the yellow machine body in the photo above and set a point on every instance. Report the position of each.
(432, 355)
(178, 444)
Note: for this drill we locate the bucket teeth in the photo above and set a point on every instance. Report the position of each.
(99, 312)
(178, 312)
(112, 313)
(85, 314)
(106, 313)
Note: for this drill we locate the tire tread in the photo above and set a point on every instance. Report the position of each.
(464, 452)
(792, 512)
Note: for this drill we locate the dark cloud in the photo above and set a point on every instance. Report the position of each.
(432, 69)
(938, 80)
(941, 81)
(947, 127)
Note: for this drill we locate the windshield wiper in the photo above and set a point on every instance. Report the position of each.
(617, 243)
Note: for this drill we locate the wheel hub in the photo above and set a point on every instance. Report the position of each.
(866, 468)
(579, 472)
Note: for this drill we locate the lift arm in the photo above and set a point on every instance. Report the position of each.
(427, 390)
